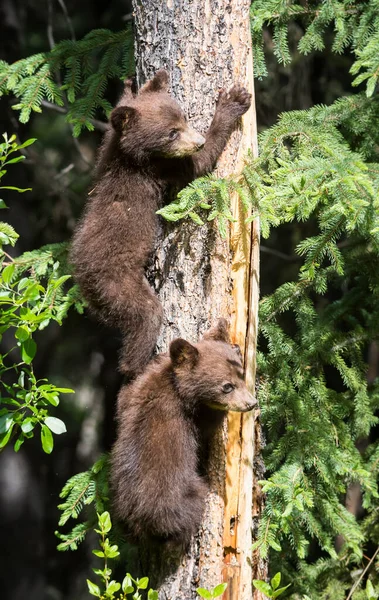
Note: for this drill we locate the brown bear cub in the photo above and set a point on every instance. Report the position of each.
(148, 148)
(156, 486)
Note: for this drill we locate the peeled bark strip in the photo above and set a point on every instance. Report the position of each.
(205, 46)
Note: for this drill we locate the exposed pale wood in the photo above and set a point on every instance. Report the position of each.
(244, 242)
(205, 45)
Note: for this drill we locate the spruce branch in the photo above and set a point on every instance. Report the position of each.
(84, 66)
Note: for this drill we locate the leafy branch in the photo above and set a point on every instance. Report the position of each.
(355, 25)
(84, 67)
(31, 296)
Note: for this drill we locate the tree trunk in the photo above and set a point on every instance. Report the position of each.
(205, 46)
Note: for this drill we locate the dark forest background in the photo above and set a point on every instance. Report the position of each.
(81, 354)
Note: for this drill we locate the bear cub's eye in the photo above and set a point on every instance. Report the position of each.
(227, 388)
(173, 134)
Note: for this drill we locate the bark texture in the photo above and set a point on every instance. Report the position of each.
(205, 46)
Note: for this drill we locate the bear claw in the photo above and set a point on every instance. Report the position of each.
(237, 100)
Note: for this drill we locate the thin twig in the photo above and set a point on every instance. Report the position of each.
(362, 574)
(64, 171)
(78, 148)
(8, 255)
(99, 125)
(55, 107)
(50, 35)
(282, 255)
(68, 20)
(50, 30)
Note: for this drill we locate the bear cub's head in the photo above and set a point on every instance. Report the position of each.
(211, 372)
(152, 123)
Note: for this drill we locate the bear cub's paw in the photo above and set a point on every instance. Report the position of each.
(236, 101)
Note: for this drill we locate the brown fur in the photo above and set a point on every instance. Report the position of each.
(149, 147)
(155, 481)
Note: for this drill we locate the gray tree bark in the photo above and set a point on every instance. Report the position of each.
(205, 46)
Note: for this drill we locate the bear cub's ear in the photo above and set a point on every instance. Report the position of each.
(122, 116)
(129, 91)
(219, 333)
(159, 83)
(182, 353)
(238, 350)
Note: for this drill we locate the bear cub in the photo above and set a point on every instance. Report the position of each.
(155, 482)
(149, 148)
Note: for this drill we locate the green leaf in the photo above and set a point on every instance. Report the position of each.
(18, 443)
(280, 591)
(275, 581)
(152, 595)
(47, 439)
(28, 350)
(105, 522)
(22, 333)
(32, 292)
(15, 189)
(203, 593)
(15, 160)
(127, 585)
(111, 551)
(28, 142)
(93, 589)
(58, 282)
(6, 422)
(98, 553)
(6, 437)
(370, 591)
(28, 425)
(56, 425)
(142, 583)
(113, 587)
(128, 590)
(219, 590)
(2, 204)
(22, 283)
(7, 273)
(263, 587)
(52, 398)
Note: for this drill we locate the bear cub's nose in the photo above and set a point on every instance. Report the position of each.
(252, 404)
(199, 141)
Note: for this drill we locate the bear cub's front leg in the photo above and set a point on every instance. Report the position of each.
(230, 108)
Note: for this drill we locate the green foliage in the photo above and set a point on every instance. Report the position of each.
(82, 490)
(316, 400)
(205, 193)
(272, 589)
(217, 591)
(317, 167)
(84, 67)
(308, 158)
(371, 593)
(355, 25)
(129, 587)
(31, 296)
(112, 589)
(320, 167)
(89, 490)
